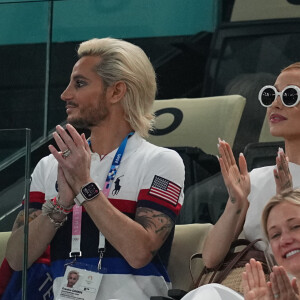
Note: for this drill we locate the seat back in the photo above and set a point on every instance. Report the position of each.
(197, 122)
(263, 10)
(3, 241)
(262, 154)
(204, 201)
(188, 239)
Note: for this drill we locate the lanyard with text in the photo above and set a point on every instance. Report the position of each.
(77, 210)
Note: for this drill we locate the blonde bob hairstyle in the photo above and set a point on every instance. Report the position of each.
(291, 196)
(123, 61)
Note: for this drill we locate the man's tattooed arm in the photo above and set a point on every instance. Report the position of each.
(156, 221)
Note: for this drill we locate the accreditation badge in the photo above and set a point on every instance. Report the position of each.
(79, 284)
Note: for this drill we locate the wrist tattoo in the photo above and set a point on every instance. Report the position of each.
(288, 184)
(232, 199)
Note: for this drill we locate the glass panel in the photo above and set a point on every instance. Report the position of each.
(12, 173)
(15, 148)
(22, 76)
(40, 46)
(132, 19)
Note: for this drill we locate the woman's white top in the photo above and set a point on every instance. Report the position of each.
(263, 188)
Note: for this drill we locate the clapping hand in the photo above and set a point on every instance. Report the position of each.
(282, 175)
(73, 162)
(236, 180)
(254, 282)
(279, 288)
(282, 287)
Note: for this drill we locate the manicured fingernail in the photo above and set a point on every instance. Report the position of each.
(280, 149)
(218, 145)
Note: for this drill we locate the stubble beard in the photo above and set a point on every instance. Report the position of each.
(90, 117)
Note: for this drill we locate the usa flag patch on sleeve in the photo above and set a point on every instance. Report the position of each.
(165, 189)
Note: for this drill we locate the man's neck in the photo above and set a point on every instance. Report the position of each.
(104, 140)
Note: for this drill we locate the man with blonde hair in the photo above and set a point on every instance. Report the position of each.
(73, 277)
(124, 238)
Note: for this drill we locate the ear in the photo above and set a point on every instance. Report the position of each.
(117, 91)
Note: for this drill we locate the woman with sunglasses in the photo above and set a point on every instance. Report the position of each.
(248, 193)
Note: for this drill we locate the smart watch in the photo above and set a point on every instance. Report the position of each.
(88, 192)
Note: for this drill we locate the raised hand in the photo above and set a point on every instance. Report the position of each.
(282, 175)
(236, 180)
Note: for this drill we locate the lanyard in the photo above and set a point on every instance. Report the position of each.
(77, 210)
(115, 165)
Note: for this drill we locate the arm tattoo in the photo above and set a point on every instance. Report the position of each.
(232, 199)
(19, 222)
(154, 220)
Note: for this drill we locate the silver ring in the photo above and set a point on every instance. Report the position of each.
(66, 153)
(276, 296)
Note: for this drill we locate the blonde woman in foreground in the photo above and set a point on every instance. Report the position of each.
(281, 226)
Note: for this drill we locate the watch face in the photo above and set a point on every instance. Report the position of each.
(90, 190)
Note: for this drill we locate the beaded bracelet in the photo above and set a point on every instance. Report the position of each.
(49, 208)
(68, 208)
(59, 207)
(57, 224)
